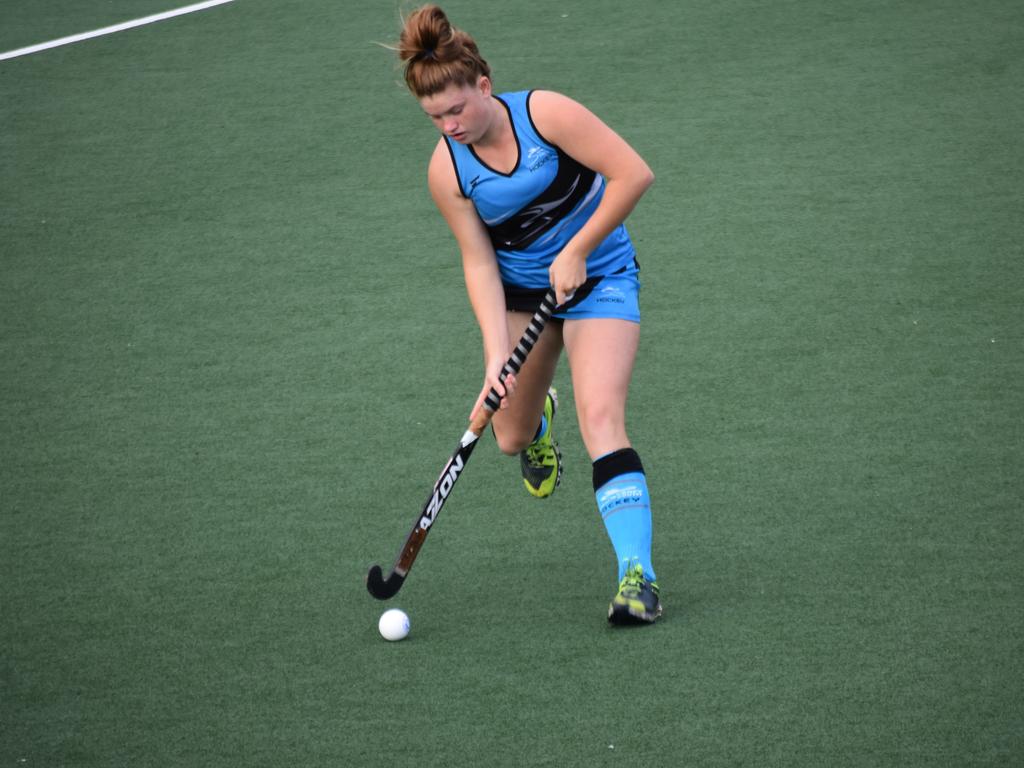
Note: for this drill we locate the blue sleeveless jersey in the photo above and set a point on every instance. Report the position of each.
(533, 212)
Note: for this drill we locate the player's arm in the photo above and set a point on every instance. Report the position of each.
(479, 265)
(583, 136)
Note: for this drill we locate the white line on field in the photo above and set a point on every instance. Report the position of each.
(111, 30)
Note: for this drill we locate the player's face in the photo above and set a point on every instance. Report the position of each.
(462, 112)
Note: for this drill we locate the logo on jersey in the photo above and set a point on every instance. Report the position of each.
(538, 156)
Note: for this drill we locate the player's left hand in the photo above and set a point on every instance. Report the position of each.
(567, 273)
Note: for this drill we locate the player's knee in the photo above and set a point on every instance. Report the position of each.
(510, 441)
(601, 420)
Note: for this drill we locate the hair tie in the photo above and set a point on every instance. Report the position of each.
(428, 53)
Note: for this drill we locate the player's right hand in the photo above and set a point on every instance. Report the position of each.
(492, 380)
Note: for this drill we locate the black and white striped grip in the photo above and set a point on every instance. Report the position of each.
(529, 338)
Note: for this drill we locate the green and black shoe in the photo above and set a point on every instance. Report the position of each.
(541, 462)
(637, 601)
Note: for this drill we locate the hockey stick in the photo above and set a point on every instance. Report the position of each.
(383, 587)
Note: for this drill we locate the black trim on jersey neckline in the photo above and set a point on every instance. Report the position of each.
(515, 135)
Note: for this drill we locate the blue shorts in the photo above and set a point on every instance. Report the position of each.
(612, 296)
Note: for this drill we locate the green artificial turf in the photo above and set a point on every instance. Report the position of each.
(235, 351)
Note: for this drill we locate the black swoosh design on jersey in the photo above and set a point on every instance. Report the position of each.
(570, 185)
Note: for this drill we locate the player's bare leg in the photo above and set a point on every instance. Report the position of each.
(516, 424)
(524, 426)
(601, 354)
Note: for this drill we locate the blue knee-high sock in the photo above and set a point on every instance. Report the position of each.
(620, 487)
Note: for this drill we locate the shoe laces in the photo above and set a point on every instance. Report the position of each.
(634, 578)
(536, 453)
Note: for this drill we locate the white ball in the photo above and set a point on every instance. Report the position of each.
(393, 624)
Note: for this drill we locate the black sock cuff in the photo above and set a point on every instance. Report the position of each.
(614, 464)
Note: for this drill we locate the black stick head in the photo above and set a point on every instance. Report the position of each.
(381, 588)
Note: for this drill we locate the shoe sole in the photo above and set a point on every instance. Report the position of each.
(622, 616)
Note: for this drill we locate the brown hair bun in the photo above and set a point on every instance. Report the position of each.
(436, 54)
